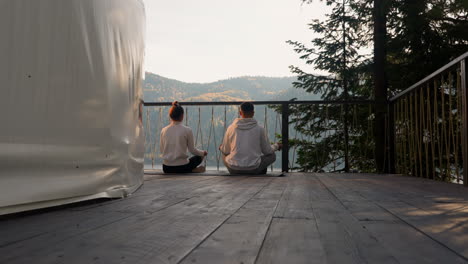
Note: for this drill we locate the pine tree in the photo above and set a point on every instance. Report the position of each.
(418, 38)
(326, 129)
(424, 36)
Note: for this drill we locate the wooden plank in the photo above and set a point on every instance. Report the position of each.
(293, 236)
(343, 236)
(58, 226)
(352, 194)
(162, 237)
(159, 195)
(239, 239)
(342, 218)
(153, 188)
(301, 190)
(36, 224)
(339, 186)
(368, 211)
(374, 189)
(228, 205)
(410, 246)
(344, 239)
(292, 241)
(12, 234)
(449, 229)
(406, 186)
(434, 208)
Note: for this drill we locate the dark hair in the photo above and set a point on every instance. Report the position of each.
(176, 111)
(247, 107)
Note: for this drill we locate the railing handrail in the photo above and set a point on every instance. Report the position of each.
(264, 102)
(284, 115)
(432, 75)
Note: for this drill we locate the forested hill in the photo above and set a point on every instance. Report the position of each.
(160, 89)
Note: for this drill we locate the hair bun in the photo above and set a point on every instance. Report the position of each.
(175, 103)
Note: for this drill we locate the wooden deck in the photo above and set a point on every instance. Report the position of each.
(300, 218)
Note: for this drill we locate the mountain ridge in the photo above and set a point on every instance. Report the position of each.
(157, 88)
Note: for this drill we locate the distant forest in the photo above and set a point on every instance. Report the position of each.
(160, 89)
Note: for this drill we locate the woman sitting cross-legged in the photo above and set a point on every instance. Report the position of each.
(174, 142)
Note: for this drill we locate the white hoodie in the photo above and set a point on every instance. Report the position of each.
(244, 143)
(174, 141)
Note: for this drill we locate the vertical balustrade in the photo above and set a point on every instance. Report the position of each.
(464, 119)
(207, 124)
(430, 123)
(427, 124)
(285, 137)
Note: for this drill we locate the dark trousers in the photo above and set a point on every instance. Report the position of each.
(187, 168)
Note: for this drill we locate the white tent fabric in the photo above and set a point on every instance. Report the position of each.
(70, 89)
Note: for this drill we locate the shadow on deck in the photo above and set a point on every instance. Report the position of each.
(300, 218)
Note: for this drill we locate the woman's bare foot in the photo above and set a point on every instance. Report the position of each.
(199, 169)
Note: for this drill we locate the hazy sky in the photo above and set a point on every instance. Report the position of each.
(208, 40)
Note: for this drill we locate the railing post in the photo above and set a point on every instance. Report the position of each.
(464, 120)
(346, 138)
(285, 137)
(391, 137)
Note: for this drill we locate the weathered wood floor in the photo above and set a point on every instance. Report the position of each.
(300, 218)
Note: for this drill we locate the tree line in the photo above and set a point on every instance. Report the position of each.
(371, 49)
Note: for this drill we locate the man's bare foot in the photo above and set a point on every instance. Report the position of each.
(199, 169)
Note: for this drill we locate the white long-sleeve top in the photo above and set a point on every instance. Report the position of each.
(174, 141)
(244, 143)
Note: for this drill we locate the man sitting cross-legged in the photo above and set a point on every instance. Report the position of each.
(245, 148)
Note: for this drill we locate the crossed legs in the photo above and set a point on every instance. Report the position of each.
(187, 168)
(266, 160)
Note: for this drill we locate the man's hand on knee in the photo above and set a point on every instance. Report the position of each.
(280, 146)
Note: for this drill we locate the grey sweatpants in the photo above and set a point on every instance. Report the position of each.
(266, 160)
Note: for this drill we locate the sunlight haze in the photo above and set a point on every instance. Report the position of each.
(209, 40)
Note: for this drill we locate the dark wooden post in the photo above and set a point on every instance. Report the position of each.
(464, 99)
(285, 137)
(380, 82)
(346, 94)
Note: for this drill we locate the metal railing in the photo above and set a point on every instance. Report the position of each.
(209, 130)
(428, 125)
(431, 125)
